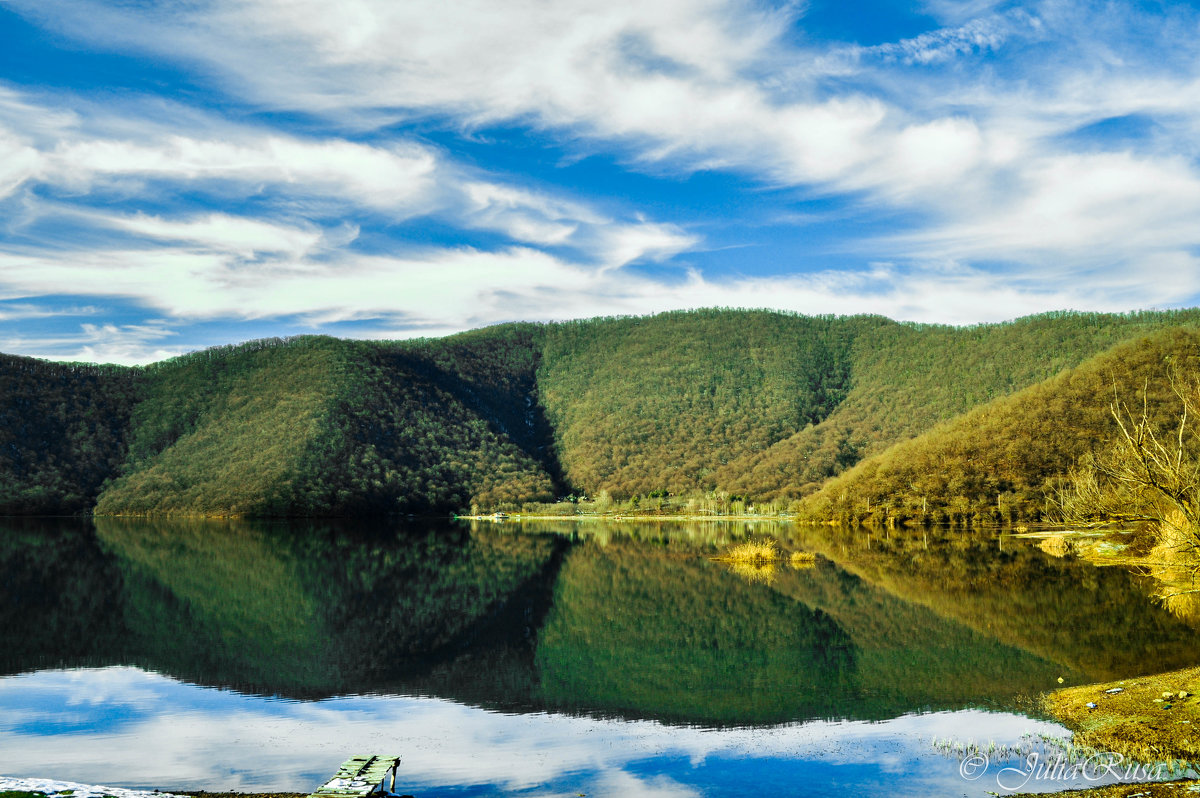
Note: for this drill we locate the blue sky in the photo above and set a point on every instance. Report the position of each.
(181, 173)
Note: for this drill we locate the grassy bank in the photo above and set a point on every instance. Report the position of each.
(1150, 718)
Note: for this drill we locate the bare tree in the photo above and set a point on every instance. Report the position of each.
(1149, 472)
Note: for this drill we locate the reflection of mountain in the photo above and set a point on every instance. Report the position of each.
(61, 597)
(275, 609)
(639, 629)
(1096, 623)
(629, 621)
(217, 602)
(909, 657)
(659, 630)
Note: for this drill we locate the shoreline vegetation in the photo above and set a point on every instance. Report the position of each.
(1151, 718)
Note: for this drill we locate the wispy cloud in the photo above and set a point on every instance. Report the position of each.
(976, 35)
(129, 344)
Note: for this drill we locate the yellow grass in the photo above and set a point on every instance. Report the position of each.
(753, 561)
(751, 552)
(802, 559)
(1151, 719)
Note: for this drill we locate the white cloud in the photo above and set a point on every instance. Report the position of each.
(445, 290)
(684, 89)
(391, 178)
(128, 344)
(18, 162)
(691, 82)
(974, 155)
(20, 311)
(980, 33)
(523, 215)
(300, 179)
(1083, 208)
(225, 233)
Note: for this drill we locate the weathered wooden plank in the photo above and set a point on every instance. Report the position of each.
(357, 777)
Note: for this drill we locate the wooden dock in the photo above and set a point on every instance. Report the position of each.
(360, 776)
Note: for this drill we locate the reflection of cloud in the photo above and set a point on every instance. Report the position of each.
(50, 690)
(201, 737)
(625, 784)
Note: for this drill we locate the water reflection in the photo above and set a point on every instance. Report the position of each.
(135, 729)
(620, 631)
(615, 620)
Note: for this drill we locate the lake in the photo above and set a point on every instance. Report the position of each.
(551, 658)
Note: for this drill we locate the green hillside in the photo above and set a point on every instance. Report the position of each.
(830, 412)
(998, 461)
(314, 426)
(908, 378)
(221, 432)
(667, 402)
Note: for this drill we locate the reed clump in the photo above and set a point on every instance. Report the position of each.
(1057, 545)
(753, 561)
(802, 559)
(751, 553)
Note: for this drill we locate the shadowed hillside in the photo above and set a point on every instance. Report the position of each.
(63, 429)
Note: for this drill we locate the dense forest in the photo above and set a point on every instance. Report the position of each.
(853, 417)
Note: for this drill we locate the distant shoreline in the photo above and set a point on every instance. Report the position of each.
(501, 518)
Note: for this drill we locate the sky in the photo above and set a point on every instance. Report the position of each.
(176, 174)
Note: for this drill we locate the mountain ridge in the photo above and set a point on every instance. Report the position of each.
(776, 408)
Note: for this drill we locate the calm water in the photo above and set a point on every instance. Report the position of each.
(547, 659)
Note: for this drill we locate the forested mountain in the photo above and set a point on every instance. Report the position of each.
(62, 432)
(1000, 460)
(833, 416)
(319, 426)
